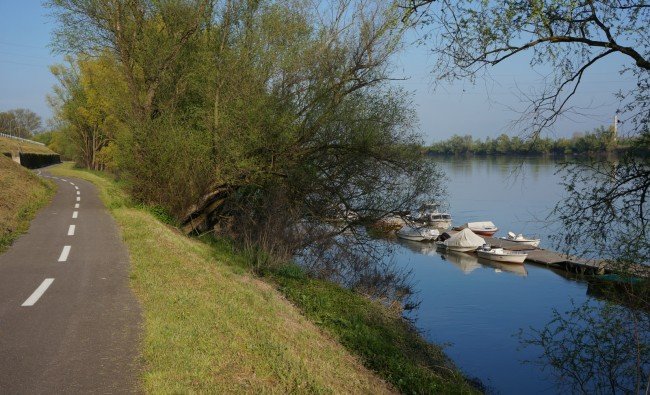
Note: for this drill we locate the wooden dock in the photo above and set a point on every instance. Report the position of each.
(567, 262)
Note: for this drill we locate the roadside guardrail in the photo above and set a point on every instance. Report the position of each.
(20, 138)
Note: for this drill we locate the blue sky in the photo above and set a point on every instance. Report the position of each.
(481, 110)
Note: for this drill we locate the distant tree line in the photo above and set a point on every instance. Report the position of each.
(20, 122)
(599, 141)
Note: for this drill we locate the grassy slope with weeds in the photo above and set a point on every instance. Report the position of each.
(386, 343)
(9, 145)
(212, 327)
(22, 194)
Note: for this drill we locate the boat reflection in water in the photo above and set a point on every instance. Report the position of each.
(462, 260)
(424, 248)
(465, 262)
(514, 268)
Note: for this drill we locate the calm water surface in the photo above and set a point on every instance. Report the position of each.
(477, 307)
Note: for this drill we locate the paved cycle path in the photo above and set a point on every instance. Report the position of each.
(69, 323)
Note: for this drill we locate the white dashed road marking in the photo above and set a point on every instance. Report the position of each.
(78, 198)
(78, 193)
(38, 293)
(75, 187)
(71, 230)
(64, 254)
(75, 214)
(76, 205)
(64, 180)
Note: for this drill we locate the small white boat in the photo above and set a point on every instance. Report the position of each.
(423, 233)
(428, 214)
(521, 239)
(483, 228)
(501, 255)
(463, 241)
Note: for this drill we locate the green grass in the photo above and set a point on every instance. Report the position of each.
(23, 194)
(386, 343)
(212, 327)
(9, 145)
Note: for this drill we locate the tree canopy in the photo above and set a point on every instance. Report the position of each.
(566, 38)
(20, 122)
(254, 116)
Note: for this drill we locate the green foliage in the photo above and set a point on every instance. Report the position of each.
(601, 140)
(89, 105)
(45, 138)
(596, 349)
(23, 194)
(20, 122)
(386, 343)
(253, 100)
(161, 214)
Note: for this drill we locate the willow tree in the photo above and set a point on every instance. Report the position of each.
(88, 107)
(258, 116)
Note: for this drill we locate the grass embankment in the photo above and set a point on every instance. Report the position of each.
(211, 326)
(11, 145)
(386, 343)
(22, 193)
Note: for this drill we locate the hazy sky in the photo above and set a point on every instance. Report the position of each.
(482, 110)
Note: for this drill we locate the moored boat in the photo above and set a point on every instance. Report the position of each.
(519, 238)
(415, 233)
(501, 255)
(483, 228)
(463, 241)
(430, 215)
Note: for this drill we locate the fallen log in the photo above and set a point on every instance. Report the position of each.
(201, 217)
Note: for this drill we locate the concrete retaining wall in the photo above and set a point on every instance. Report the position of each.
(34, 161)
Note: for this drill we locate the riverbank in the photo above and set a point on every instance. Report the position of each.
(22, 194)
(601, 142)
(213, 326)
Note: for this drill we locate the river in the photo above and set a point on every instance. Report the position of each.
(477, 308)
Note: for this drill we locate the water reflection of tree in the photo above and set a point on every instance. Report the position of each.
(366, 265)
(595, 349)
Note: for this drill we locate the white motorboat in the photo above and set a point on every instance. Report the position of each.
(415, 233)
(463, 241)
(501, 255)
(521, 239)
(428, 214)
(483, 228)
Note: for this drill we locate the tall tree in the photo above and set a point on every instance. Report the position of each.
(20, 122)
(257, 115)
(88, 103)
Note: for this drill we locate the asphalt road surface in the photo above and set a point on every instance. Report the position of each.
(69, 323)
